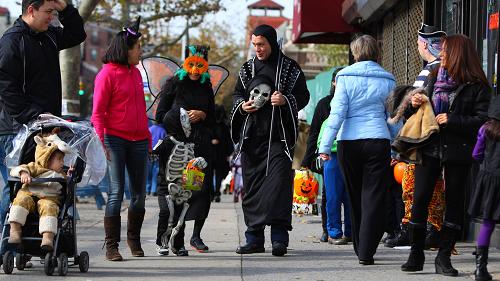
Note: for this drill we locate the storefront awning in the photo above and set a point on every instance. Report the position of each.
(320, 21)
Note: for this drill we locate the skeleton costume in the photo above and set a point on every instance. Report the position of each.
(185, 141)
(265, 140)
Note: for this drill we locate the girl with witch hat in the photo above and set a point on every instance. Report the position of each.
(119, 118)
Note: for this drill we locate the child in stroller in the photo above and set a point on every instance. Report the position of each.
(46, 196)
(87, 158)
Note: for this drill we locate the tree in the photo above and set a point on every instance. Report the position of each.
(338, 55)
(70, 65)
(114, 13)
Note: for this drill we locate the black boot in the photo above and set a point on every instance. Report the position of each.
(401, 238)
(448, 239)
(417, 240)
(481, 272)
(432, 238)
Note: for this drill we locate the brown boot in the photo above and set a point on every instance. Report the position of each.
(134, 225)
(112, 227)
(47, 241)
(15, 233)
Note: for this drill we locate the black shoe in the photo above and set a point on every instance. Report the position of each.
(217, 199)
(481, 273)
(250, 249)
(401, 239)
(279, 249)
(367, 262)
(181, 252)
(198, 245)
(324, 237)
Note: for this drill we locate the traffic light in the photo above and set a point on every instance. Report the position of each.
(81, 92)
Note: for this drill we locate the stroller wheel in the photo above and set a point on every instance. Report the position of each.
(62, 262)
(83, 261)
(8, 262)
(20, 261)
(49, 264)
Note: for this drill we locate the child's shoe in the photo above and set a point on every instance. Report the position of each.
(15, 233)
(47, 241)
(162, 251)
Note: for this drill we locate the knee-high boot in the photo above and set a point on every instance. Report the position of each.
(134, 225)
(442, 263)
(481, 273)
(417, 241)
(112, 227)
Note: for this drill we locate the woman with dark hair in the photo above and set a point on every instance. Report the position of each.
(358, 121)
(459, 98)
(119, 117)
(186, 110)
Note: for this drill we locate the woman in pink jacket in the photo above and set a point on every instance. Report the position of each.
(119, 117)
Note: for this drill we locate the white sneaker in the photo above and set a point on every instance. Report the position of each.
(162, 251)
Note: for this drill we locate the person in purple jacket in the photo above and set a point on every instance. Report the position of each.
(157, 133)
(485, 200)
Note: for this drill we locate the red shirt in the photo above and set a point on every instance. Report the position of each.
(119, 106)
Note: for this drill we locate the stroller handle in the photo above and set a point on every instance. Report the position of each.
(40, 180)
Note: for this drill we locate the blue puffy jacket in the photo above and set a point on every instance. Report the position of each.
(358, 107)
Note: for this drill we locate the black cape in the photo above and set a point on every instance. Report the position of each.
(268, 199)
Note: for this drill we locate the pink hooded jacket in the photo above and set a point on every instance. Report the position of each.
(119, 105)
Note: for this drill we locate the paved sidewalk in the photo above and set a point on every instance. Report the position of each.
(308, 259)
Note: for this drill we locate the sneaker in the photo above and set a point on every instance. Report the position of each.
(181, 252)
(198, 245)
(162, 251)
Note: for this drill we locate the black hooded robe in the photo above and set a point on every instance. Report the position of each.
(268, 199)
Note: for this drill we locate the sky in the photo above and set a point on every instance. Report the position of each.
(235, 10)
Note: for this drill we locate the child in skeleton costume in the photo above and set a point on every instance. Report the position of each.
(43, 197)
(270, 91)
(186, 109)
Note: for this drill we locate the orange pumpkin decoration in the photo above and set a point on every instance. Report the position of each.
(399, 170)
(305, 187)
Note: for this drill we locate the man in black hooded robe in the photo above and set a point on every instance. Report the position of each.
(265, 137)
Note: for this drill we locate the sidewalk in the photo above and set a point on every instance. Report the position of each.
(307, 258)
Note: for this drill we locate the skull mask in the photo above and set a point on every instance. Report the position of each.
(260, 95)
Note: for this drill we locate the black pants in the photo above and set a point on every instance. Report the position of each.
(365, 165)
(455, 178)
(395, 207)
(163, 219)
(323, 208)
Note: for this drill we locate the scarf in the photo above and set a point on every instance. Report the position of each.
(443, 87)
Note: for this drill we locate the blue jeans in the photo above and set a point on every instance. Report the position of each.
(336, 195)
(132, 155)
(5, 148)
(153, 169)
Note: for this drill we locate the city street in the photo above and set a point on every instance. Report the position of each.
(307, 258)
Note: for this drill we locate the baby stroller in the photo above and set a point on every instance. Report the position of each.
(82, 138)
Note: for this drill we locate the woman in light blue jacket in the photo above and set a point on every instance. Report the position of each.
(358, 121)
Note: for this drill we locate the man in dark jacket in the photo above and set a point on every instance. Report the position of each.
(265, 128)
(30, 77)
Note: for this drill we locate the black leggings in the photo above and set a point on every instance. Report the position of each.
(455, 178)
